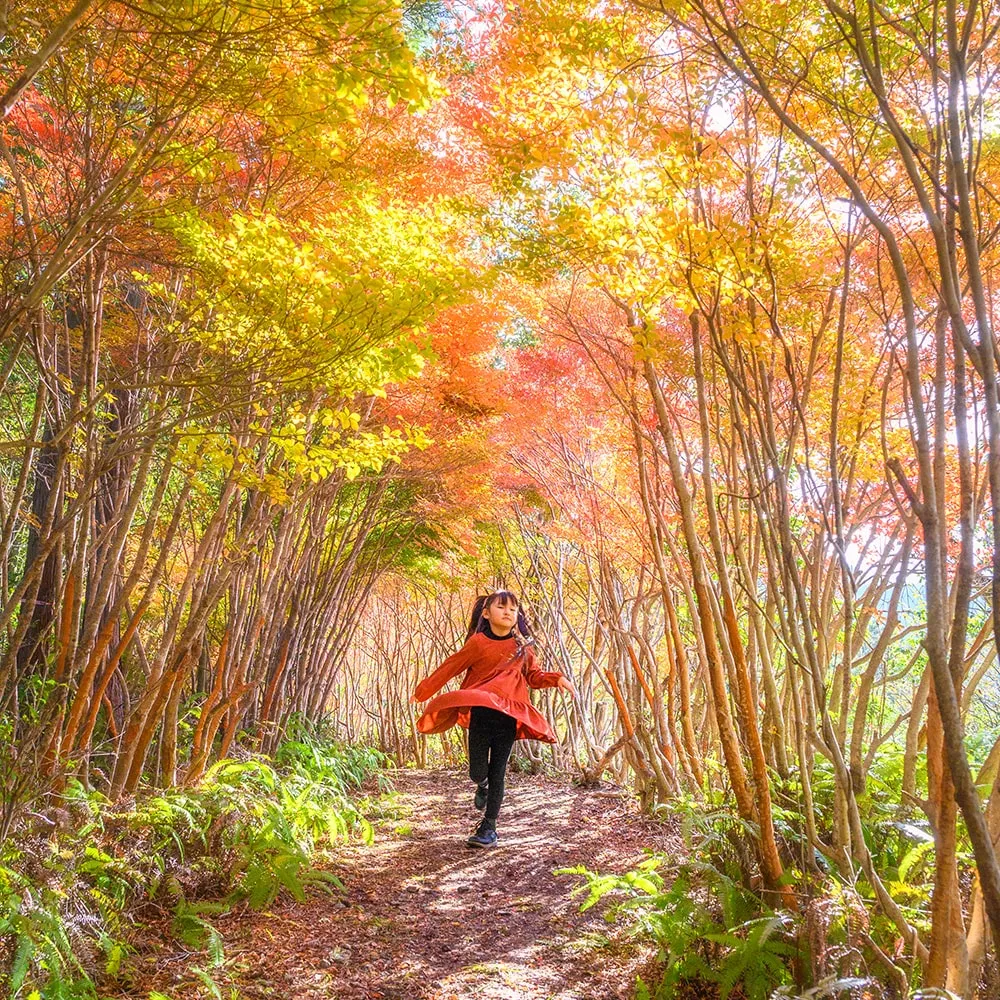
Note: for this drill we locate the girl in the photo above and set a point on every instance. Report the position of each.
(492, 701)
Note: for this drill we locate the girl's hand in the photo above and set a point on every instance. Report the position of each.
(564, 685)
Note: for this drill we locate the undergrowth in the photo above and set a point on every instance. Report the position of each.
(719, 934)
(73, 881)
(706, 928)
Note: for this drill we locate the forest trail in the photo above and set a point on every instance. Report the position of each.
(427, 918)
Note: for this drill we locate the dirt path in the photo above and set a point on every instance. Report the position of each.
(426, 917)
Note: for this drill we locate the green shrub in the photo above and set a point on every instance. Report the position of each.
(697, 941)
(248, 832)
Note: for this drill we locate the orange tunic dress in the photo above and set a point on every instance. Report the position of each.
(497, 678)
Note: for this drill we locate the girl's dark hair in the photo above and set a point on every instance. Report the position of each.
(478, 623)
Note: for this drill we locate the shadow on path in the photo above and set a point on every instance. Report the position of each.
(427, 918)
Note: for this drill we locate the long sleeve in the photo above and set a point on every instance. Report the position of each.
(451, 667)
(497, 677)
(537, 678)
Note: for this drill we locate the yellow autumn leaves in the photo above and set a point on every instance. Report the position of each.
(319, 316)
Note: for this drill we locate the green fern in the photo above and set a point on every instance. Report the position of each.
(251, 830)
(754, 957)
(209, 983)
(914, 857)
(194, 930)
(22, 960)
(692, 944)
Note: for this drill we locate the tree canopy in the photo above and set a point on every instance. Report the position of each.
(677, 318)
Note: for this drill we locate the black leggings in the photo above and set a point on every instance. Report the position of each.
(491, 738)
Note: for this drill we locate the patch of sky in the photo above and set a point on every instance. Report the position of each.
(423, 21)
(519, 333)
(434, 25)
(512, 228)
(867, 548)
(514, 220)
(516, 334)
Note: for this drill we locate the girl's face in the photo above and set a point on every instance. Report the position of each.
(501, 616)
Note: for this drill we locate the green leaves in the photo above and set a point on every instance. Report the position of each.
(190, 927)
(254, 828)
(682, 919)
(755, 957)
(338, 303)
(316, 318)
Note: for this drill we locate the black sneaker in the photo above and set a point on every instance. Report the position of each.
(485, 836)
(480, 802)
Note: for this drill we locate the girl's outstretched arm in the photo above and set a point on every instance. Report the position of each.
(537, 678)
(451, 667)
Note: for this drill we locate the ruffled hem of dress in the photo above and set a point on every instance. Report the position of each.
(454, 708)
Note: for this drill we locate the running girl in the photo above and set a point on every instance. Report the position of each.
(492, 701)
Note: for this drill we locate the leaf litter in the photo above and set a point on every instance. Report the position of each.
(423, 917)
